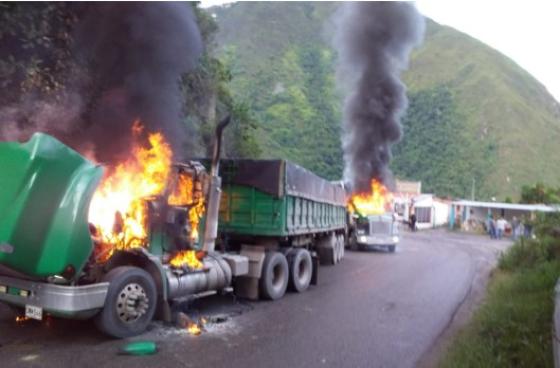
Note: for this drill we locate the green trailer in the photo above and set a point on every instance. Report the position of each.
(279, 199)
(275, 206)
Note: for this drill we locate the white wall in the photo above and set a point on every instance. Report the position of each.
(439, 211)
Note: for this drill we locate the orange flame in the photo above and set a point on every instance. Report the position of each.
(186, 258)
(195, 328)
(376, 202)
(188, 193)
(20, 319)
(118, 210)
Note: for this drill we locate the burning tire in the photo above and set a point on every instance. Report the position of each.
(301, 269)
(274, 276)
(130, 303)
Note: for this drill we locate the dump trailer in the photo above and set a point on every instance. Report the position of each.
(284, 218)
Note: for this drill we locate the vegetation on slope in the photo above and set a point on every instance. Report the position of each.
(513, 326)
(501, 127)
(40, 63)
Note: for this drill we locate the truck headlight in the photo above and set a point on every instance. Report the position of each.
(3, 289)
(363, 239)
(396, 239)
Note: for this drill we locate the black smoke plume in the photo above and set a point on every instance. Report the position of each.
(131, 57)
(373, 40)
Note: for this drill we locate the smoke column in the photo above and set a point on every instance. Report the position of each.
(132, 56)
(373, 40)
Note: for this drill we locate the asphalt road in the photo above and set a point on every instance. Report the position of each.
(374, 309)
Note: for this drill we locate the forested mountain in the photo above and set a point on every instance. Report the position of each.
(474, 115)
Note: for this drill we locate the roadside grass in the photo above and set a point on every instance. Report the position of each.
(513, 327)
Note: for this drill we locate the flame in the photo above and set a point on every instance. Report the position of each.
(118, 210)
(186, 258)
(195, 328)
(188, 193)
(20, 319)
(376, 202)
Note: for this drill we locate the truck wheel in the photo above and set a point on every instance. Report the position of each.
(274, 276)
(328, 252)
(392, 248)
(130, 303)
(342, 245)
(301, 269)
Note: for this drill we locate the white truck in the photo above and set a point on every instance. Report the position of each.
(380, 231)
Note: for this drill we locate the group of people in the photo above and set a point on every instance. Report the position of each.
(497, 227)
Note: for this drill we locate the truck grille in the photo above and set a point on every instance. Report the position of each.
(380, 227)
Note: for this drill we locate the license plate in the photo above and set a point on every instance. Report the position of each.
(34, 312)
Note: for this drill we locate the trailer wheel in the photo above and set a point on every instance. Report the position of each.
(339, 248)
(328, 250)
(130, 303)
(274, 276)
(341, 241)
(301, 270)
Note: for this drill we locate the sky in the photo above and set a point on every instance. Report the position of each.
(526, 31)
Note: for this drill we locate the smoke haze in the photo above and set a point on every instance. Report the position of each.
(373, 40)
(132, 56)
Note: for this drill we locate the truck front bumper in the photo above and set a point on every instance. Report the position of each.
(377, 240)
(63, 301)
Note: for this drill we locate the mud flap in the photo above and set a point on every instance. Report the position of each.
(248, 286)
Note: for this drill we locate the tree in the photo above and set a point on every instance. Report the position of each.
(207, 98)
(539, 193)
(35, 44)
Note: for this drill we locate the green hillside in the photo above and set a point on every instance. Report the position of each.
(474, 114)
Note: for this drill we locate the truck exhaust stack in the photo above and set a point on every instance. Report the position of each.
(214, 191)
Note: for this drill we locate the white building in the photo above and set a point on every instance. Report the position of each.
(431, 211)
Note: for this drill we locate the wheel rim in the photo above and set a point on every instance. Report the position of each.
(132, 303)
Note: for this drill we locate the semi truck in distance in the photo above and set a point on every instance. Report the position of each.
(255, 228)
(378, 231)
(372, 222)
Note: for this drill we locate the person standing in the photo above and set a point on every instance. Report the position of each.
(492, 226)
(501, 227)
(515, 224)
(413, 222)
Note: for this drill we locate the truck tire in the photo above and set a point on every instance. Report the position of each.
(341, 241)
(392, 248)
(328, 252)
(336, 249)
(301, 270)
(130, 303)
(274, 276)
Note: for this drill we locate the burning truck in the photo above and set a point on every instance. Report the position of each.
(371, 219)
(122, 246)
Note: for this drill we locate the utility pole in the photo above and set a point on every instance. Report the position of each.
(473, 188)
